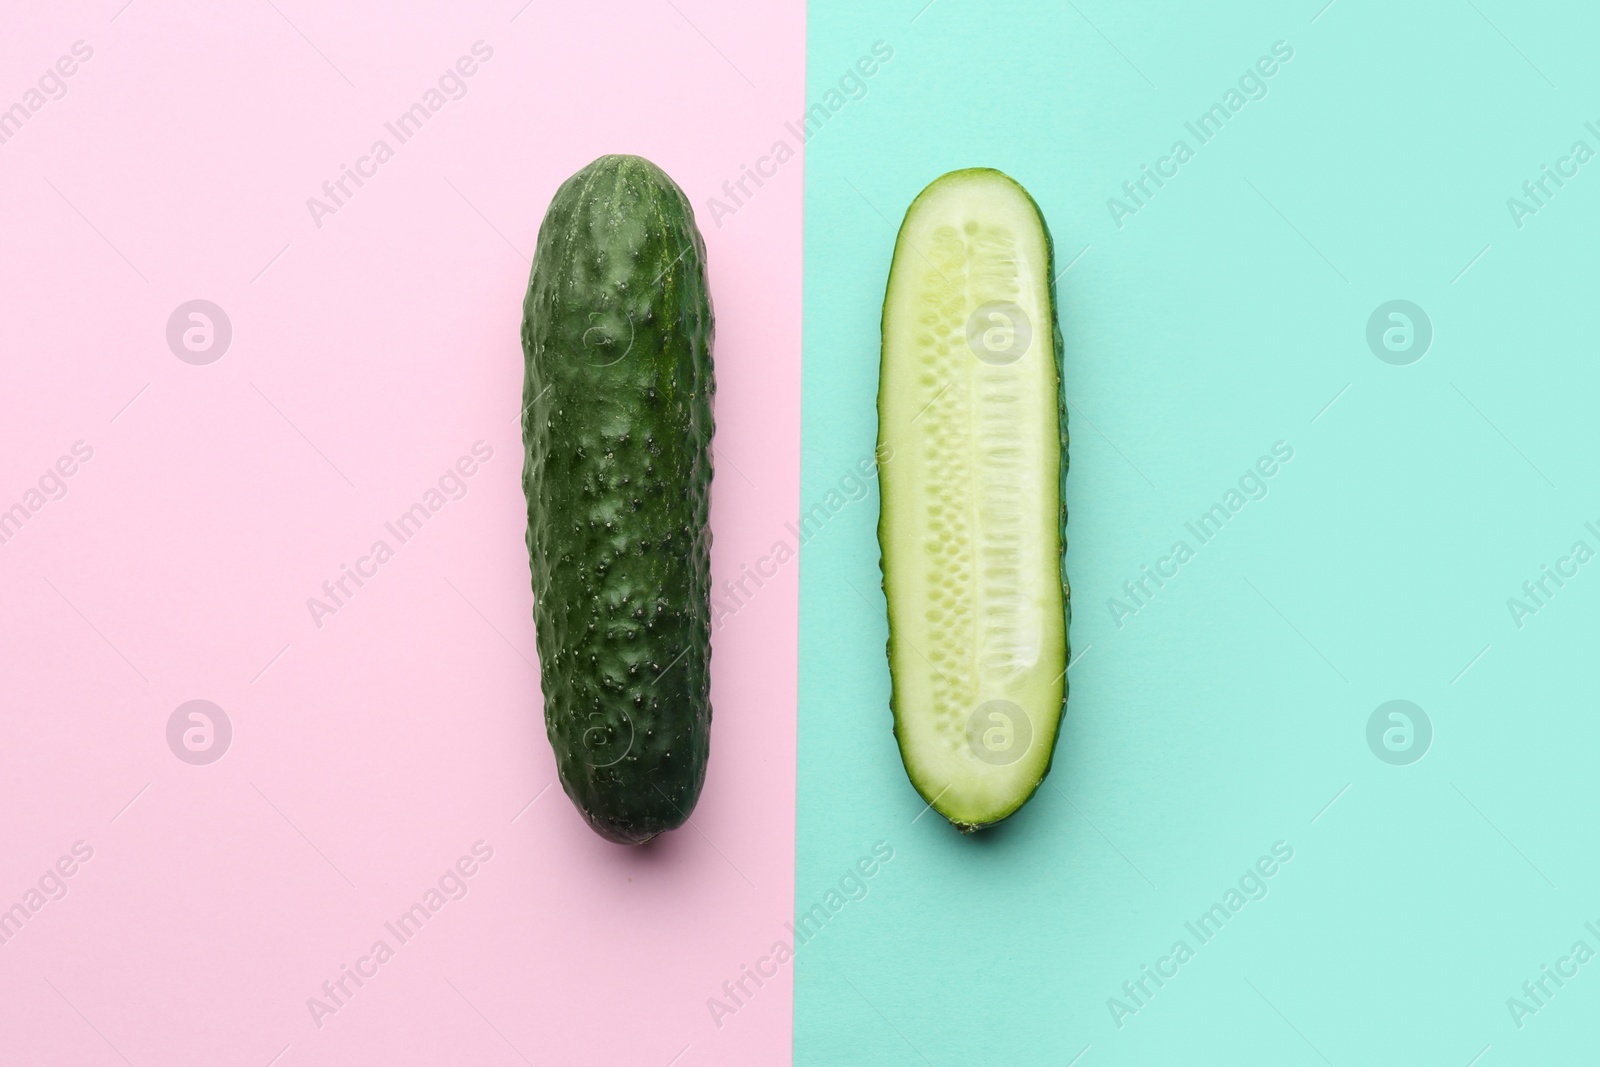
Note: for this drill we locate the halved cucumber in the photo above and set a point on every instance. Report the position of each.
(972, 436)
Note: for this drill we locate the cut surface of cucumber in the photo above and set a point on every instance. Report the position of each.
(972, 463)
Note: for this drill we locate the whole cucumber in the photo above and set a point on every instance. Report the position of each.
(617, 424)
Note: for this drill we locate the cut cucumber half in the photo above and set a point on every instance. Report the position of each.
(972, 437)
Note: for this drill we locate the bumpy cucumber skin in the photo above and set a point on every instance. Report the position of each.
(886, 448)
(617, 424)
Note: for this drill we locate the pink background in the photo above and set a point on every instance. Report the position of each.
(367, 356)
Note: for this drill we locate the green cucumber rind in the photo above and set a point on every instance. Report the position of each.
(884, 448)
(617, 423)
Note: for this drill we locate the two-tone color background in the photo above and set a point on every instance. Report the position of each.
(1434, 889)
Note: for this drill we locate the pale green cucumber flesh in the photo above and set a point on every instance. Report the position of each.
(972, 462)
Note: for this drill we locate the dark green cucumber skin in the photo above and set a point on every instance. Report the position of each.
(616, 425)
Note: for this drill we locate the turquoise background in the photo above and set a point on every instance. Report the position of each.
(1227, 714)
